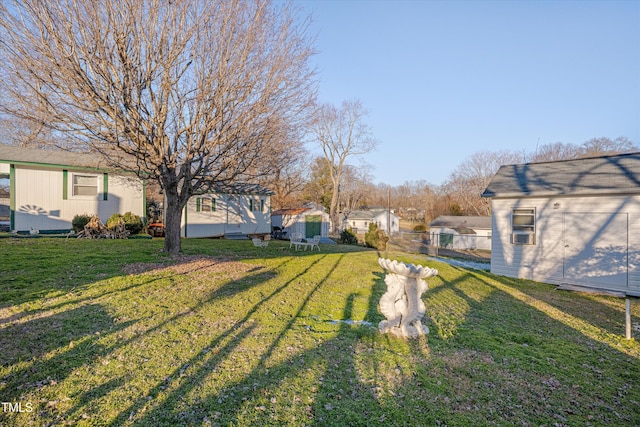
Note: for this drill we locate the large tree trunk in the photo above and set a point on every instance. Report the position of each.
(173, 219)
(333, 207)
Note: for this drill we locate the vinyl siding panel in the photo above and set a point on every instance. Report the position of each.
(40, 203)
(546, 260)
(233, 214)
(297, 223)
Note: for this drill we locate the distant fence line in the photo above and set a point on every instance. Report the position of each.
(430, 243)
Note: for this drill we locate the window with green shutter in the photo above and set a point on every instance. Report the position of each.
(205, 204)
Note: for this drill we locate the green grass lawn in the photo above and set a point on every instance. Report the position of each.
(115, 333)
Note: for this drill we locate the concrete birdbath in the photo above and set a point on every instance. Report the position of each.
(402, 303)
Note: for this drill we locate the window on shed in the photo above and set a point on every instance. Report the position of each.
(523, 226)
(254, 205)
(85, 185)
(205, 204)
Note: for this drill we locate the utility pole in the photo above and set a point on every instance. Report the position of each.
(388, 211)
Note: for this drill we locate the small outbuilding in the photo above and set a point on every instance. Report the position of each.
(572, 222)
(359, 220)
(308, 221)
(461, 232)
(45, 189)
(232, 211)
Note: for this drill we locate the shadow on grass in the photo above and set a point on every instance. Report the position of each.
(48, 349)
(495, 352)
(32, 269)
(329, 402)
(608, 314)
(208, 359)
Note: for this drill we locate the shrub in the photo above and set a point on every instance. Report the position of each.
(375, 238)
(348, 237)
(132, 222)
(79, 221)
(420, 228)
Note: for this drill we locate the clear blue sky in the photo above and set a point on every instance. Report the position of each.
(444, 79)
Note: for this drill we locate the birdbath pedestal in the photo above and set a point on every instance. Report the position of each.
(402, 303)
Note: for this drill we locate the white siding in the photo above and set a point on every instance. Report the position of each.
(39, 201)
(480, 240)
(232, 215)
(361, 226)
(557, 237)
(381, 220)
(297, 223)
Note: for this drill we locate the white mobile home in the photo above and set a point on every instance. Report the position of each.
(45, 189)
(574, 222)
(232, 210)
(461, 232)
(308, 221)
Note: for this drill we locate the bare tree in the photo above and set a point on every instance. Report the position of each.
(190, 93)
(554, 151)
(593, 147)
(354, 187)
(605, 146)
(467, 182)
(285, 172)
(341, 133)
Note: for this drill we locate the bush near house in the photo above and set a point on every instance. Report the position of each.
(348, 237)
(79, 221)
(375, 238)
(132, 222)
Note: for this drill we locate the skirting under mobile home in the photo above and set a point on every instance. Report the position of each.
(574, 222)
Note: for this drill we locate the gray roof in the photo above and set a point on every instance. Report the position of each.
(58, 158)
(450, 221)
(367, 214)
(619, 174)
(242, 188)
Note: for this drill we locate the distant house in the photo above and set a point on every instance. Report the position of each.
(231, 210)
(309, 220)
(461, 232)
(45, 189)
(573, 222)
(359, 220)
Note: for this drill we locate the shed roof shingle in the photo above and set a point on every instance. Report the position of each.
(617, 174)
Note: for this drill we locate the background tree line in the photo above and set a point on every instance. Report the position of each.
(420, 200)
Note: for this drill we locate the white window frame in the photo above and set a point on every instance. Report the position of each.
(205, 205)
(523, 226)
(256, 205)
(75, 185)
